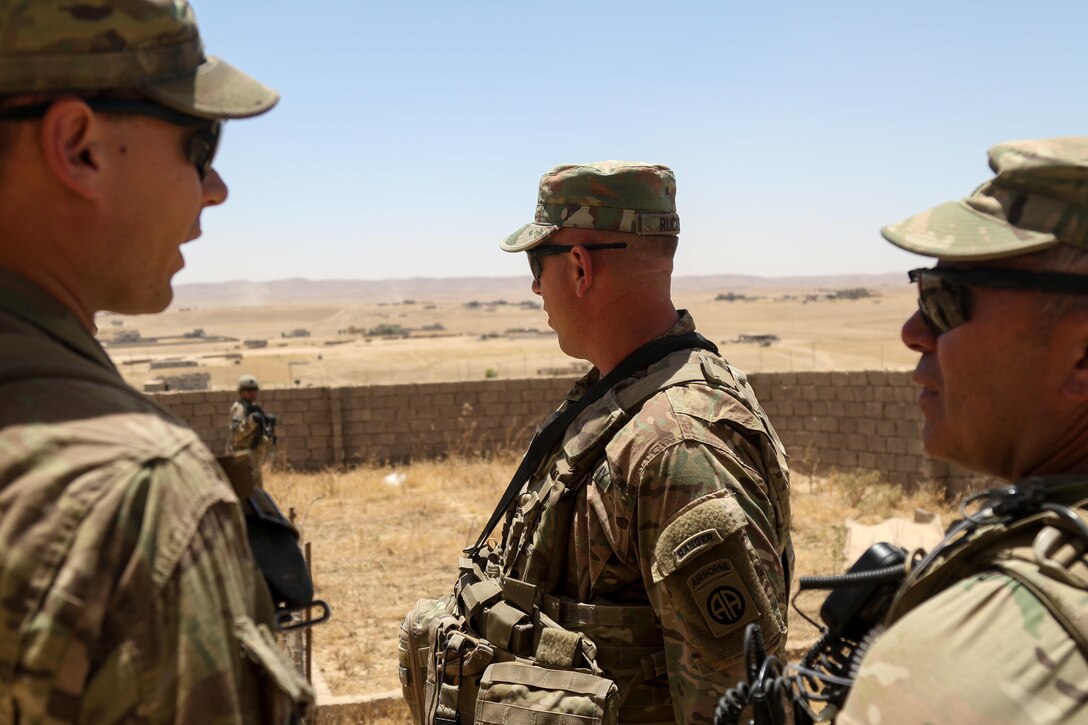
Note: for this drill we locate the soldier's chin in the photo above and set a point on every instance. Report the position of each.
(154, 301)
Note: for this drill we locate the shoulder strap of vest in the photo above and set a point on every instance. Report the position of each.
(23, 357)
(1012, 549)
(703, 368)
(547, 438)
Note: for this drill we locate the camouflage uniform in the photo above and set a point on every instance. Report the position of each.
(128, 589)
(986, 648)
(246, 434)
(689, 447)
(126, 558)
(678, 534)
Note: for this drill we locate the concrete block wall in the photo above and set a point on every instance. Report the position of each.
(865, 421)
(860, 421)
(320, 427)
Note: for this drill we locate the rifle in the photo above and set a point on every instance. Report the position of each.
(266, 421)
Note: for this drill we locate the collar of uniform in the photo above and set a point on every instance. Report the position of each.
(27, 302)
(683, 326)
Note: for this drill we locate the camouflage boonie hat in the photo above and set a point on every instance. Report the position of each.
(1038, 198)
(151, 46)
(618, 196)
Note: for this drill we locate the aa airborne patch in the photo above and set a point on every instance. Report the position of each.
(721, 597)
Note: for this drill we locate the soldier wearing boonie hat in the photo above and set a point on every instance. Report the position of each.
(991, 629)
(132, 594)
(626, 523)
(152, 47)
(1037, 199)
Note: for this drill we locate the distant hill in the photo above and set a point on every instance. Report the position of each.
(305, 291)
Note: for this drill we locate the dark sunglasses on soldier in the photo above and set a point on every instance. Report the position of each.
(200, 148)
(547, 250)
(944, 294)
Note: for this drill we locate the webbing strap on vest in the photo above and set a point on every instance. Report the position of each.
(23, 357)
(1011, 549)
(547, 438)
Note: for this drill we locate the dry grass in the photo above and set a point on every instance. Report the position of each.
(379, 546)
(821, 506)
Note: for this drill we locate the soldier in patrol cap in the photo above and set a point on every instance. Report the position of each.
(992, 629)
(129, 589)
(655, 520)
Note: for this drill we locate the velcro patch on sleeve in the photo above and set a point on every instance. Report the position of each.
(721, 597)
(696, 543)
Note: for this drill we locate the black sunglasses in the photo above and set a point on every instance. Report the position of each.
(945, 300)
(200, 148)
(547, 250)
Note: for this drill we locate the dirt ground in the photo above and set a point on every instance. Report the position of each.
(384, 537)
(509, 340)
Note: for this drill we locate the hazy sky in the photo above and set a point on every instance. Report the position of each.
(411, 135)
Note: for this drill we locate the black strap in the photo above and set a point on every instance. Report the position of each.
(547, 438)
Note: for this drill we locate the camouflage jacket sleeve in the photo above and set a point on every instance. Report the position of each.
(711, 564)
(179, 633)
(985, 650)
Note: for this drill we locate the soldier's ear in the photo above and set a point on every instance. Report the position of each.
(72, 139)
(583, 270)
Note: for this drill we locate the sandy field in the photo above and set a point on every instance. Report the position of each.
(504, 334)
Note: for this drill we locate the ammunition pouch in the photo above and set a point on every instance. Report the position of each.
(518, 692)
(524, 668)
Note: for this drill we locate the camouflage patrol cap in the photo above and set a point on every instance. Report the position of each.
(618, 196)
(1038, 198)
(152, 46)
(248, 382)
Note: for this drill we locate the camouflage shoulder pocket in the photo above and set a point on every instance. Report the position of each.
(715, 583)
(512, 693)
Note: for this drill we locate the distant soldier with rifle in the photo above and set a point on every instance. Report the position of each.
(251, 428)
(128, 590)
(649, 521)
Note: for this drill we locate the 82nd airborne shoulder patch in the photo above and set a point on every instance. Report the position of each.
(721, 597)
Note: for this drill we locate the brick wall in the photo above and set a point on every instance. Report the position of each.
(864, 421)
(333, 426)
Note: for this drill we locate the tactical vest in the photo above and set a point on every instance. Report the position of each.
(508, 595)
(1043, 551)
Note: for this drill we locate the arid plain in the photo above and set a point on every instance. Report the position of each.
(431, 330)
